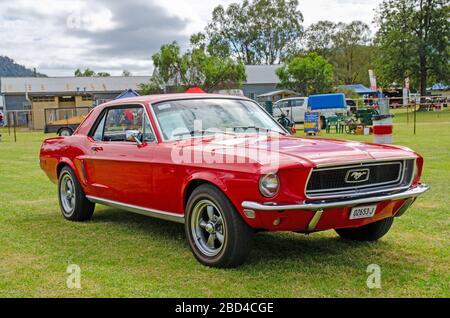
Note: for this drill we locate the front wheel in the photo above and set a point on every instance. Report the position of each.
(217, 234)
(370, 232)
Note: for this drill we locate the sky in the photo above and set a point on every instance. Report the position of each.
(59, 36)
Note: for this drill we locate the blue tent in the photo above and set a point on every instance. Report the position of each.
(128, 93)
(358, 89)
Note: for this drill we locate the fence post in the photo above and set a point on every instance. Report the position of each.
(15, 124)
(415, 111)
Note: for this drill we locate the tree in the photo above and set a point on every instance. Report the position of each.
(413, 41)
(103, 74)
(87, 73)
(346, 46)
(126, 73)
(310, 74)
(90, 73)
(196, 67)
(257, 32)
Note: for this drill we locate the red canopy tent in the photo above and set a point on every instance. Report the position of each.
(195, 90)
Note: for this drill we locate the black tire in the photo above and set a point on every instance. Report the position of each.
(370, 232)
(65, 132)
(237, 236)
(78, 208)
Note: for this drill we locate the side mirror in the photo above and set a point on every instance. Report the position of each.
(133, 136)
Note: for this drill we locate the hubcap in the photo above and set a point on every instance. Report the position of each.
(67, 194)
(208, 228)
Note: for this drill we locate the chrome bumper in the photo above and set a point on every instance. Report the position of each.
(323, 204)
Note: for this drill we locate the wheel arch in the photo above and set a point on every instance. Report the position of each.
(63, 163)
(197, 180)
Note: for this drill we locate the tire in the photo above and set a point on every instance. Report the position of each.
(217, 234)
(370, 232)
(72, 201)
(65, 132)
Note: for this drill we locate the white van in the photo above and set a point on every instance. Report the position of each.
(293, 107)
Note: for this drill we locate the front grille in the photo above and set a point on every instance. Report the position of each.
(360, 178)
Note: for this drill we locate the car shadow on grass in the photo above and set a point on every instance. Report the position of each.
(268, 248)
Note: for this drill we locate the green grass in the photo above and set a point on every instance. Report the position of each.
(127, 255)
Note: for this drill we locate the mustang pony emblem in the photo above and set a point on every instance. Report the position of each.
(359, 175)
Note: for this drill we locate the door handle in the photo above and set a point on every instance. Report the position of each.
(97, 148)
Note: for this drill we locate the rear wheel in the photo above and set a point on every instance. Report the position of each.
(72, 200)
(370, 232)
(65, 132)
(217, 234)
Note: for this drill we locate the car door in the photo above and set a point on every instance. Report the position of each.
(298, 109)
(120, 170)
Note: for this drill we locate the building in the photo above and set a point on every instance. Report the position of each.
(261, 79)
(39, 93)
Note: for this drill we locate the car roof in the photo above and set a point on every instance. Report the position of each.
(291, 98)
(153, 99)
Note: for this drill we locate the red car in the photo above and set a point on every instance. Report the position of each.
(226, 169)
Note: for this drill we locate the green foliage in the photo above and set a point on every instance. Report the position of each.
(257, 32)
(413, 40)
(90, 73)
(196, 67)
(346, 46)
(307, 75)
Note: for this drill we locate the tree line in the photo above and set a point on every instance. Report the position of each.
(412, 42)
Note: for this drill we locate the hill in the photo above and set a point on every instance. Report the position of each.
(9, 68)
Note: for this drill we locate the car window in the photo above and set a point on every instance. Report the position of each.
(148, 131)
(297, 102)
(183, 118)
(98, 134)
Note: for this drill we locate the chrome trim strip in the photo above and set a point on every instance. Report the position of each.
(323, 204)
(356, 162)
(169, 216)
(360, 190)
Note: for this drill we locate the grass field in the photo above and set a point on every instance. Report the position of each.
(126, 255)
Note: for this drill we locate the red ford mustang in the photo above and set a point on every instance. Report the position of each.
(225, 168)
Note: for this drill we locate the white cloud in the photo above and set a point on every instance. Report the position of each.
(58, 36)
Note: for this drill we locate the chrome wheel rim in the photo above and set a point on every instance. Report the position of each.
(67, 194)
(208, 228)
(65, 133)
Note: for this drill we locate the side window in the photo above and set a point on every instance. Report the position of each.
(119, 120)
(98, 134)
(298, 102)
(148, 132)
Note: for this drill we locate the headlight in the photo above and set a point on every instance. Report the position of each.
(269, 185)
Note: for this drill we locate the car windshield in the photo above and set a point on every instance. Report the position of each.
(193, 117)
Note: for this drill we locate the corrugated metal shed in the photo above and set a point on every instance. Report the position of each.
(22, 85)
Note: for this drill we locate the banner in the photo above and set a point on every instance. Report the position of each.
(373, 80)
(312, 122)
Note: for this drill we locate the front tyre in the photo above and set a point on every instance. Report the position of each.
(217, 234)
(72, 200)
(370, 232)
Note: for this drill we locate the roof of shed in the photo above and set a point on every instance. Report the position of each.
(22, 85)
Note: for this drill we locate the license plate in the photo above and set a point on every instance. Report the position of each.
(363, 212)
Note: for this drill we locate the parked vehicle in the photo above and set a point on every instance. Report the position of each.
(64, 121)
(327, 104)
(294, 108)
(148, 155)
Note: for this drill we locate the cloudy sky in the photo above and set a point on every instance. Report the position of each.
(58, 36)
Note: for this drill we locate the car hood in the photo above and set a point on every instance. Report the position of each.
(306, 151)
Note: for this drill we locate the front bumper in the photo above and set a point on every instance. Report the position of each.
(330, 204)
